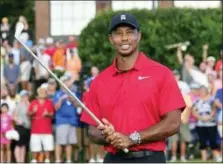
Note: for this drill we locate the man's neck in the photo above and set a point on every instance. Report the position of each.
(126, 63)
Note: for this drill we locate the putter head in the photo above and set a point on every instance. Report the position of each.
(19, 29)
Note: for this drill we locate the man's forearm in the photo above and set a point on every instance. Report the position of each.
(165, 128)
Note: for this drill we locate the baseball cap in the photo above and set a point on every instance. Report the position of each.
(23, 93)
(127, 19)
(51, 81)
(211, 58)
(194, 86)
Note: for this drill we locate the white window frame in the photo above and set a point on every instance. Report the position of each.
(128, 5)
(70, 17)
(197, 4)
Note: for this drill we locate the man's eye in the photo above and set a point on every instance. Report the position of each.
(118, 33)
(130, 32)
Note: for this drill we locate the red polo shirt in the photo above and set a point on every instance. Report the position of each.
(134, 100)
(39, 123)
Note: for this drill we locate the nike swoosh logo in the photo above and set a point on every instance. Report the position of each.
(143, 77)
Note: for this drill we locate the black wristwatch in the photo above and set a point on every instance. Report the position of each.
(135, 137)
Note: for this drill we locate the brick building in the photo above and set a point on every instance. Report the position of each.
(62, 18)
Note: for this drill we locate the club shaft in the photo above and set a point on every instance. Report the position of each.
(65, 87)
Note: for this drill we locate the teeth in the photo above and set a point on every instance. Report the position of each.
(126, 46)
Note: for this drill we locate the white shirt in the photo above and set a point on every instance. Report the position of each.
(184, 87)
(204, 108)
(199, 77)
(45, 59)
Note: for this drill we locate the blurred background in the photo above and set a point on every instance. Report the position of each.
(70, 38)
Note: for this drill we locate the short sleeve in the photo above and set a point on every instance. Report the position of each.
(91, 100)
(50, 106)
(170, 95)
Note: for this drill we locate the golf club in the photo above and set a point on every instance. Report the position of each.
(17, 34)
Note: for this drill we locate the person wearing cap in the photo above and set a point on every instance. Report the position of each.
(50, 47)
(11, 72)
(136, 98)
(22, 126)
(41, 74)
(52, 86)
(66, 119)
(41, 111)
(206, 126)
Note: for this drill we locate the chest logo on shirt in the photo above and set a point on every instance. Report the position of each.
(143, 77)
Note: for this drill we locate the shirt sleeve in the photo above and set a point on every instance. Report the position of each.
(91, 101)
(50, 107)
(170, 96)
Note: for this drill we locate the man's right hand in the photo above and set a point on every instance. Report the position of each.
(107, 129)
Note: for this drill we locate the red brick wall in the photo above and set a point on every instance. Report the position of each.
(166, 4)
(102, 5)
(42, 18)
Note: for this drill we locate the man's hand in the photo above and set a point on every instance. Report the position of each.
(107, 128)
(120, 141)
(205, 47)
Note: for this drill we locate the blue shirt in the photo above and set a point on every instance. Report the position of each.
(218, 96)
(67, 113)
(11, 74)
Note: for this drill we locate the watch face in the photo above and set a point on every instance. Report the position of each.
(134, 137)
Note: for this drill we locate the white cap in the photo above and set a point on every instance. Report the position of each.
(64, 78)
(49, 40)
(211, 58)
(23, 93)
(44, 86)
(41, 41)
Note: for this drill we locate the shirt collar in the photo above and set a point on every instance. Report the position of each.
(137, 66)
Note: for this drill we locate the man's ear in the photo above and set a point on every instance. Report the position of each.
(139, 37)
(110, 39)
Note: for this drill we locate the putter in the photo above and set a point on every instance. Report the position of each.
(17, 34)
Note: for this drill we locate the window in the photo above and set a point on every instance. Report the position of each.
(197, 4)
(70, 17)
(126, 5)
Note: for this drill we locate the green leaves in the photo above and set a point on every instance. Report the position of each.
(161, 28)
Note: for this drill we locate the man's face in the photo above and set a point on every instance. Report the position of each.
(11, 60)
(94, 71)
(42, 93)
(125, 40)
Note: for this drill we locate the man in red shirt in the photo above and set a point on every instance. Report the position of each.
(137, 99)
(41, 111)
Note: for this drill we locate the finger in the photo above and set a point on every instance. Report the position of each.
(101, 127)
(111, 137)
(106, 122)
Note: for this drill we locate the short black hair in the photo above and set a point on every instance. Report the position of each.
(6, 105)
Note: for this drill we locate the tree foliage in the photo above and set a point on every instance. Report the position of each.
(159, 28)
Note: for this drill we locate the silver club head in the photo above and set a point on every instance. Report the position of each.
(19, 28)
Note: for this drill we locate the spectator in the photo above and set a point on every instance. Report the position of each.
(73, 65)
(184, 134)
(50, 48)
(5, 27)
(6, 125)
(24, 36)
(219, 62)
(190, 73)
(66, 122)
(3, 53)
(16, 51)
(51, 87)
(41, 111)
(5, 98)
(182, 85)
(11, 72)
(59, 56)
(218, 104)
(41, 75)
(72, 42)
(25, 69)
(95, 149)
(218, 80)
(206, 124)
(209, 60)
(22, 126)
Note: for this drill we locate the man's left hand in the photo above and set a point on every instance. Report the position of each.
(120, 141)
